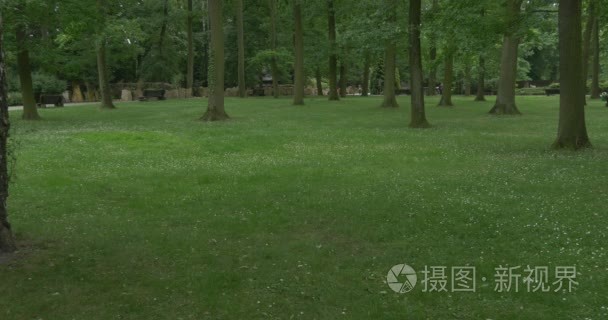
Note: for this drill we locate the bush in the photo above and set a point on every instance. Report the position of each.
(554, 85)
(14, 99)
(48, 84)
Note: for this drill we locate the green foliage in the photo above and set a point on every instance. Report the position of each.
(15, 98)
(47, 84)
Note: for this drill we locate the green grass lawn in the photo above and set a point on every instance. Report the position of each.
(299, 212)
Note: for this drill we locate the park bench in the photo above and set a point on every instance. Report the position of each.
(552, 91)
(158, 94)
(54, 99)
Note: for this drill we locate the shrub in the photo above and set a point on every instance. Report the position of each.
(14, 99)
(531, 92)
(48, 84)
(554, 85)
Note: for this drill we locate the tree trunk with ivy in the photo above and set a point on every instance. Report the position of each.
(215, 107)
(481, 80)
(319, 81)
(7, 241)
(572, 130)
(342, 79)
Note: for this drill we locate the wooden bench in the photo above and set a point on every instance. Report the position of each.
(54, 99)
(158, 94)
(552, 91)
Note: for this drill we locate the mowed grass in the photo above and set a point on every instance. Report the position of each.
(299, 212)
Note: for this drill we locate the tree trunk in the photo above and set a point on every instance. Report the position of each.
(418, 114)
(333, 57)
(7, 241)
(206, 40)
(319, 81)
(390, 62)
(104, 81)
(215, 108)
(572, 131)
(595, 71)
(448, 79)
(274, 68)
(433, 55)
(589, 27)
(190, 75)
(342, 79)
(481, 80)
(241, 45)
(366, 68)
(505, 101)
(30, 112)
(390, 100)
(299, 83)
(467, 78)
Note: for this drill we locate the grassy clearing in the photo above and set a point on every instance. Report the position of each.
(283, 212)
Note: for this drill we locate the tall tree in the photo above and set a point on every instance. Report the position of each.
(588, 40)
(418, 115)
(448, 76)
(273, 43)
(481, 79)
(189, 26)
(333, 55)
(572, 130)
(390, 59)
(366, 71)
(241, 45)
(215, 108)
(505, 101)
(7, 242)
(433, 52)
(299, 83)
(30, 112)
(595, 69)
(102, 63)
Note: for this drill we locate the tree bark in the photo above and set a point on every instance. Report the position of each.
(241, 45)
(505, 101)
(342, 79)
(319, 81)
(448, 79)
(30, 112)
(7, 241)
(190, 71)
(215, 108)
(299, 83)
(366, 68)
(572, 130)
(481, 80)
(333, 57)
(418, 114)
